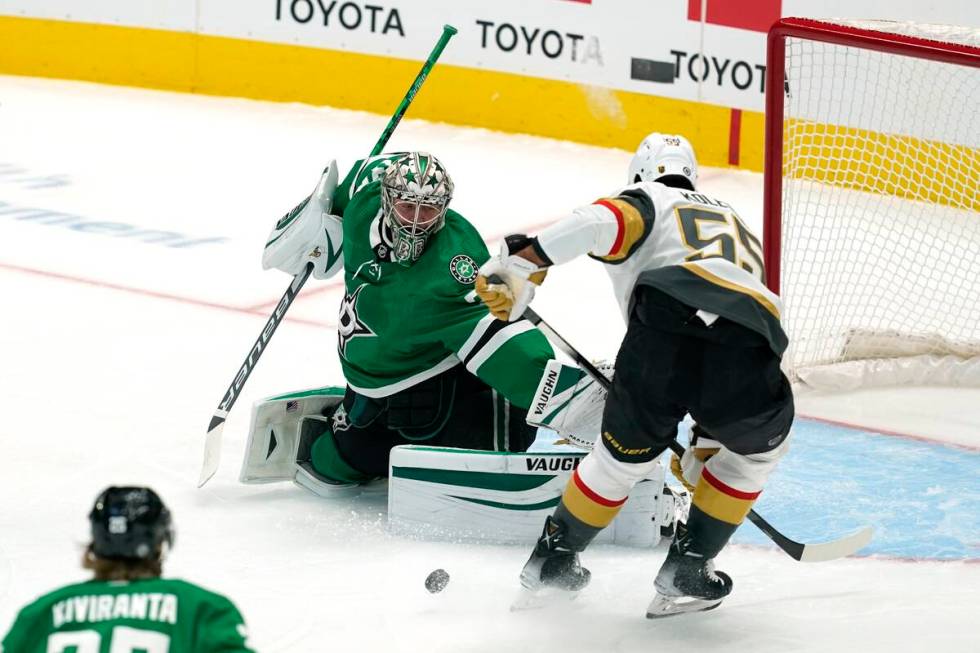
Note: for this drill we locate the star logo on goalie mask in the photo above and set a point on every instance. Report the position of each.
(436, 177)
(349, 325)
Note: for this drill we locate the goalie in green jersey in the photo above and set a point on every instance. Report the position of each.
(423, 359)
(127, 606)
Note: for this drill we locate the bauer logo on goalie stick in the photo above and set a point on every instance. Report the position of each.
(255, 352)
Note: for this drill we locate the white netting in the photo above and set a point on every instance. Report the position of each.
(943, 33)
(881, 212)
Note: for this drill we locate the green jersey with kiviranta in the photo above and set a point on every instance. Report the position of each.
(400, 325)
(151, 615)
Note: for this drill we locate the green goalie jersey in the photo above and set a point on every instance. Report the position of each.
(154, 615)
(401, 325)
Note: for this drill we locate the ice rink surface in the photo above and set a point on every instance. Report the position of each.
(131, 228)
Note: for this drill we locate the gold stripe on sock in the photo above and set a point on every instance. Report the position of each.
(587, 506)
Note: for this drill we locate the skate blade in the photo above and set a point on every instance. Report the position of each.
(540, 599)
(665, 606)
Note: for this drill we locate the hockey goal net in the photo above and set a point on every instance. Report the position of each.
(872, 216)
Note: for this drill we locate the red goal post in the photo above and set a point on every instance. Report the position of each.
(872, 208)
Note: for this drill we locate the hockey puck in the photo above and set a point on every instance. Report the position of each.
(436, 581)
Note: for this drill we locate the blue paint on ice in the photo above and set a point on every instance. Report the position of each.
(922, 498)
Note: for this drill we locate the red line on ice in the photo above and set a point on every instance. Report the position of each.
(158, 295)
(898, 434)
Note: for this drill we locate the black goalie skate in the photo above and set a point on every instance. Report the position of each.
(553, 570)
(306, 476)
(687, 582)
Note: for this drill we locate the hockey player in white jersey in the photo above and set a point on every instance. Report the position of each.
(703, 338)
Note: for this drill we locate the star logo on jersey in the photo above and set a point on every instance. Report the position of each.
(463, 269)
(340, 422)
(350, 325)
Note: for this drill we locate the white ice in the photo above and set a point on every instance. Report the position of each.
(115, 351)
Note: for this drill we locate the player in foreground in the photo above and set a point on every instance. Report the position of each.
(703, 337)
(424, 360)
(127, 606)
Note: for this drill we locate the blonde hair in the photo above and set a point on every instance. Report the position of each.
(122, 568)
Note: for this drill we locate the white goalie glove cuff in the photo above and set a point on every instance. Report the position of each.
(308, 234)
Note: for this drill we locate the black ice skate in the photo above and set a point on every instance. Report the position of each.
(687, 581)
(552, 571)
(306, 475)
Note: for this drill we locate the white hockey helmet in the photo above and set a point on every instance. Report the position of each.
(660, 155)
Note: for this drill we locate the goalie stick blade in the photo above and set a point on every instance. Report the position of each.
(845, 546)
(212, 450)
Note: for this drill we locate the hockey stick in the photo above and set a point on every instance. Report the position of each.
(212, 442)
(812, 552)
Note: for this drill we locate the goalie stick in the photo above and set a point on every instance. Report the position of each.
(804, 552)
(212, 442)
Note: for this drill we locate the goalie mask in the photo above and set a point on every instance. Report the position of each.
(664, 155)
(415, 193)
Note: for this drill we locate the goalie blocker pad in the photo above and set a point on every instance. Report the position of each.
(273, 434)
(570, 402)
(444, 493)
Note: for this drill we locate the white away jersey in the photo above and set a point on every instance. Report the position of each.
(691, 246)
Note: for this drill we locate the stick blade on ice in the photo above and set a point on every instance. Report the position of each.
(845, 546)
(212, 450)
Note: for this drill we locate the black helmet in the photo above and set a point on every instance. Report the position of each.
(130, 523)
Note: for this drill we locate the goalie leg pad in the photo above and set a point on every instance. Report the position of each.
(445, 493)
(274, 432)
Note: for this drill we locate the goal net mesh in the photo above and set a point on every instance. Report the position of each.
(880, 220)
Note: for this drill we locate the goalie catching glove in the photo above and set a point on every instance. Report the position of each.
(506, 282)
(309, 234)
